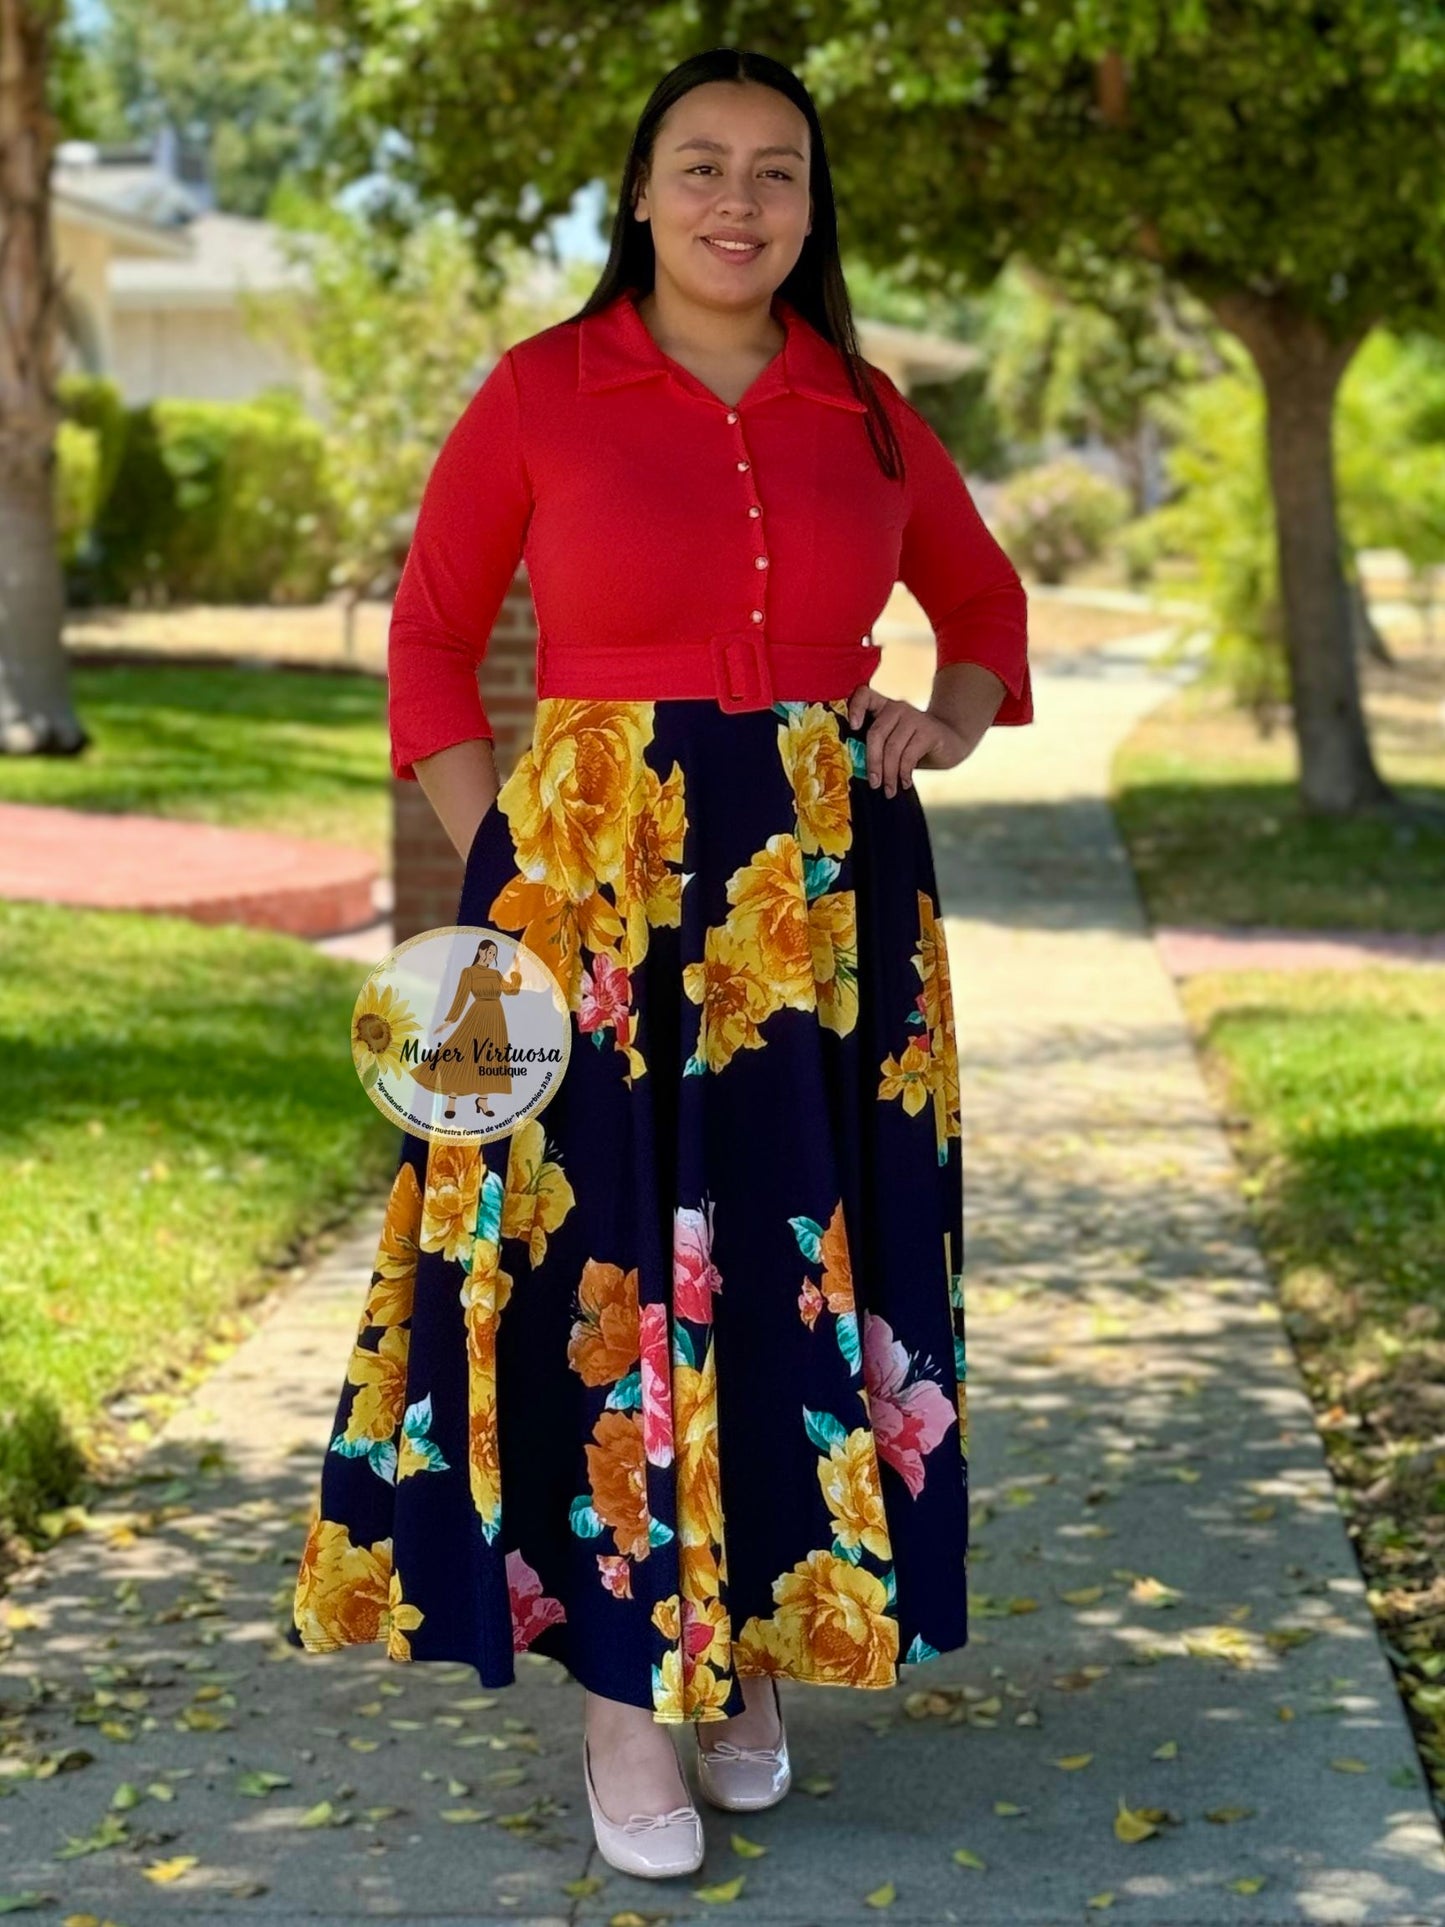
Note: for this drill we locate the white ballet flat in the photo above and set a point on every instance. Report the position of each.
(744, 1778)
(651, 1844)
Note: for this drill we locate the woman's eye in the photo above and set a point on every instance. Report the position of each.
(781, 172)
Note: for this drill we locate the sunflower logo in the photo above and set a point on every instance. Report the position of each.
(381, 1024)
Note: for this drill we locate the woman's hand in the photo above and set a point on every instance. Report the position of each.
(903, 738)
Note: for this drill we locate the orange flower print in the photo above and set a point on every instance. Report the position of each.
(617, 1470)
(616, 1574)
(604, 1342)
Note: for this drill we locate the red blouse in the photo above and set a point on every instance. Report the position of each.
(678, 546)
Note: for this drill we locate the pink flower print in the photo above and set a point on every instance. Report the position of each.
(532, 1610)
(694, 1275)
(907, 1420)
(605, 997)
(656, 1384)
(616, 1571)
(810, 1302)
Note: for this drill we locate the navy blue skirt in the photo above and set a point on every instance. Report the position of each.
(668, 1383)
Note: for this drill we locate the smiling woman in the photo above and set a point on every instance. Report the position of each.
(672, 1390)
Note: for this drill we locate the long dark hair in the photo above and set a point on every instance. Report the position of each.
(815, 286)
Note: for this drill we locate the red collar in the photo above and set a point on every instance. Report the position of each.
(615, 346)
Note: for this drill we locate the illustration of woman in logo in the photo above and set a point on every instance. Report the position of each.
(473, 1059)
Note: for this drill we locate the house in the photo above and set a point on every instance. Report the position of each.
(156, 278)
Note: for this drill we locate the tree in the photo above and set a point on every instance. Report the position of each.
(1281, 163)
(35, 711)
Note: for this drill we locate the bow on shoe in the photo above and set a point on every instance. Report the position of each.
(725, 1750)
(645, 1822)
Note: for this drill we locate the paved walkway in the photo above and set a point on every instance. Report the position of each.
(1166, 1609)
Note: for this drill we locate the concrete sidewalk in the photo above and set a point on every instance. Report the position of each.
(1165, 1600)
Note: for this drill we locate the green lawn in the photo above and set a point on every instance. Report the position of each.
(1334, 1086)
(1209, 811)
(273, 748)
(182, 1113)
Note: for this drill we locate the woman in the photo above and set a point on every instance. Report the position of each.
(474, 1055)
(713, 1427)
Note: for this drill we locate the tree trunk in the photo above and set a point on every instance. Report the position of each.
(1300, 365)
(35, 711)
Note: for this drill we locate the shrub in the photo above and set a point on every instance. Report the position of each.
(1055, 517)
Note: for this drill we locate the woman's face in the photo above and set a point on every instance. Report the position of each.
(730, 158)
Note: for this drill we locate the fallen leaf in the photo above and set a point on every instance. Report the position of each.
(1100, 1901)
(1219, 1642)
(1168, 1751)
(1349, 1766)
(883, 1896)
(1226, 1816)
(722, 1890)
(163, 1871)
(966, 1857)
(1071, 1762)
(1006, 1809)
(1082, 1595)
(587, 1883)
(749, 1849)
(817, 1784)
(1132, 1827)
(1249, 1883)
(465, 1816)
(1154, 1592)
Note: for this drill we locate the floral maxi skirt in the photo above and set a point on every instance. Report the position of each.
(668, 1383)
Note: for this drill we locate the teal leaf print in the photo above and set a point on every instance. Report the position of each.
(851, 1553)
(819, 874)
(809, 1234)
(920, 1649)
(890, 1589)
(858, 751)
(626, 1394)
(658, 1533)
(601, 1035)
(848, 1343)
(489, 1207)
(960, 1360)
(917, 1019)
(585, 1522)
(788, 710)
(417, 1425)
(824, 1430)
(682, 1351)
(694, 1067)
(955, 1289)
(380, 1454)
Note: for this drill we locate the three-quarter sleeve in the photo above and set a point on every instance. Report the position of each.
(964, 582)
(465, 551)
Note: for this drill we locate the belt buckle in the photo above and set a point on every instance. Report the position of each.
(742, 674)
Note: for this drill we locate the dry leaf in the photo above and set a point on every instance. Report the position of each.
(883, 1896)
(1071, 1762)
(1349, 1766)
(162, 1871)
(722, 1890)
(1132, 1827)
(749, 1849)
(967, 1858)
(1225, 1816)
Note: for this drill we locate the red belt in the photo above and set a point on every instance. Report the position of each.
(737, 667)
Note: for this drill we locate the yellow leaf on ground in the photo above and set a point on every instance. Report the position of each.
(1071, 1762)
(749, 1849)
(1100, 1901)
(1082, 1595)
(1349, 1766)
(966, 1857)
(722, 1890)
(166, 1870)
(883, 1896)
(1249, 1883)
(1131, 1827)
(1225, 1816)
